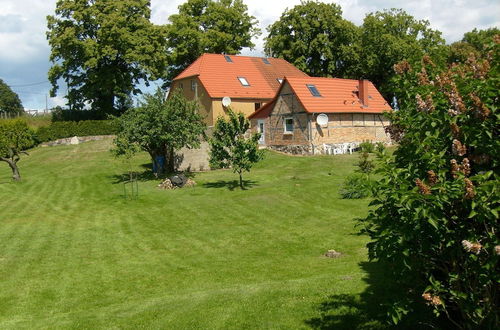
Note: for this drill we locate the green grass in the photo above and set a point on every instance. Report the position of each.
(74, 253)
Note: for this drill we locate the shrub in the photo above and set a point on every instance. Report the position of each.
(435, 215)
(367, 146)
(365, 165)
(65, 129)
(60, 114)
(380, 147)
(356, 186)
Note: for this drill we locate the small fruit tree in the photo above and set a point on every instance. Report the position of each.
(231, 146)
(435, 216)
(15, 138)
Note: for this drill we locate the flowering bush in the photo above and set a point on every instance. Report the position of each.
(435, 215)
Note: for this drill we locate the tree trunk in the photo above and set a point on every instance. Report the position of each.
(241, 180)
(170, 160)
(13, 166)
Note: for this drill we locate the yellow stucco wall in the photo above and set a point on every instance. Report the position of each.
(211, 109)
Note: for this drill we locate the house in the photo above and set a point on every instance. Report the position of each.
(245, 83)
(318, 115)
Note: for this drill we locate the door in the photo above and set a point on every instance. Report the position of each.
(261, 130)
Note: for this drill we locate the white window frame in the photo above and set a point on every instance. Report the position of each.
(285, 130)
(243, 81)
(193, 85)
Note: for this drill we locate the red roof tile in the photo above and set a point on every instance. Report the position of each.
(337, 95)
(220, 77)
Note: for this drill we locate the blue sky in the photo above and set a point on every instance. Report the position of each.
(24, 50)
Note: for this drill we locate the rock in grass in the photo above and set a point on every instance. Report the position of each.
(332, 254)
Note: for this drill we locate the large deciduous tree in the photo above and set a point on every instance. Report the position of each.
(9, 100)
(15, 138)
(102, 49)
(315, 38)
(207, 26)
(391, 36)
(160, 127)
(231, 146)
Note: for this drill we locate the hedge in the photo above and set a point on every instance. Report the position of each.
(65, 129)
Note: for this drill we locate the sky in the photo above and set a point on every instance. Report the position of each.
(24, 51)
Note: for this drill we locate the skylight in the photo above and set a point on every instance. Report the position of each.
(228, 58)
(265, 60)
(314, 91)
(243, 81)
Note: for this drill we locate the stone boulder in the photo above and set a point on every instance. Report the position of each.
(177, 181)
(332, 254)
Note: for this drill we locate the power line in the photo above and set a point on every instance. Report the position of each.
(31, 84)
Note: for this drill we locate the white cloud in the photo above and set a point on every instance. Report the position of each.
(24, 50)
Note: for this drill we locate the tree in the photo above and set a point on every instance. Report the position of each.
(474, 42)
(15, 138)
(9, 100)
(315, 38)
(101, 49)
(391, 36)
(160, 127)
(207, 26)
(232, 147)
(435, 210)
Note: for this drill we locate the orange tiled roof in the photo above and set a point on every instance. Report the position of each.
(337, 96)
(220, 77)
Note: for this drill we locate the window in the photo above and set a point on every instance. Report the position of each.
(243, 81)
(266, 61)
(314, 91)
(257, 106)
(193, 85)
(181, 85)
(279, 80)
(228, 59)
(288, 123)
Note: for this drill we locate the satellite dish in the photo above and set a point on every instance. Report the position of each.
(322, 119)
(226, 101)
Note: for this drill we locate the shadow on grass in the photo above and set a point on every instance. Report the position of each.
(366, 311)
(146, 175)
(231, 185)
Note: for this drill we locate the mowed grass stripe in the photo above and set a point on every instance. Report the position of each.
(206, 257)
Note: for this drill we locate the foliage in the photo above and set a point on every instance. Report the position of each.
(101, 49)
(365, 165)
(160, 127)
(15, 138)
(474, 43)
(61, 114)
(366, 146)
(315, 38)
(435, 219)
(9, 100)
(380, 147)
(231, 147)
(391, 36)
(65, 129)
(207, 26)
(481, 39)
(356, 186)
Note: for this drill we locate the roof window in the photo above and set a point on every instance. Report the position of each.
(265, 60)
(228, 58)
(279, 80)
(243, 81)
(314, 91)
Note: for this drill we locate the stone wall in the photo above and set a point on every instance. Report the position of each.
(194, 160)
(75, 140)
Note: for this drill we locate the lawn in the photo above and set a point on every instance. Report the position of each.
(74, 253)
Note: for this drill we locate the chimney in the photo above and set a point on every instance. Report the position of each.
(363, 92)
